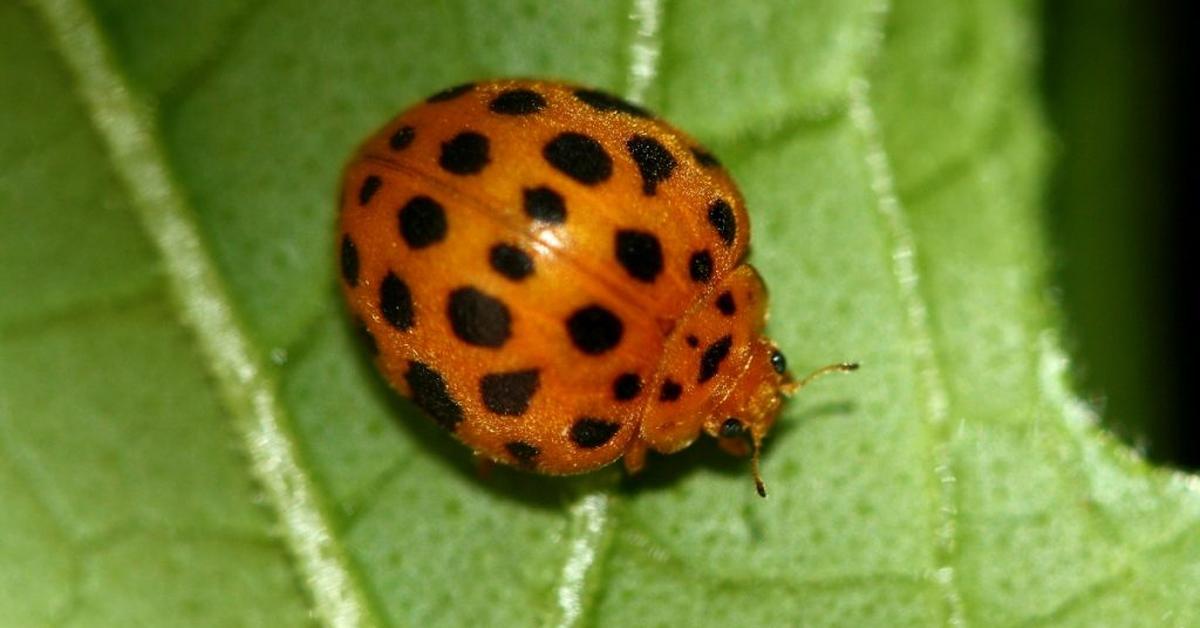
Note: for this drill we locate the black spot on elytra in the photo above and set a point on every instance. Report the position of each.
(705, 158)
(594, 329)
(692, 341)
(395, 302)
(349, 261)
(627, 386)
(510, 261)
(725, 303)
(465, 153)
(478, 318)
(430, 393)
(590, 432)
(450, 93)
(639, 253)
(370, 186)
(604, 101)
(670, 391)
(720, 216)
(700, 266)
(402, 138)
(546, 205)
(422, 222)
(579, 156)
(517, 102)
(655, 163)
(508, 394)
(713, 355)
(523, 452)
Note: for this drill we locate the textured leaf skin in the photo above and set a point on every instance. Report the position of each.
(893, 157)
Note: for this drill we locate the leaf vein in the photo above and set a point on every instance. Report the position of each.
(590, 523)
(931, 381)
(125, 123)
(646, 48)
(590, 531)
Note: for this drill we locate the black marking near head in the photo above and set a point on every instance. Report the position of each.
(720, 216)
(713, 355)
(517, 102)
(639, 253)
(732, 428)
(508, 394)
(705, 158)
(478, 318)
(349, 261)
(591, 432)
(594, 329)
(545, 205)
(523, 452)
(700, 266)
(655, 163)
(692, 341)
(510, 261)
(627, 386)
(430, 393)
(465, 153)
(726, 304)
(778, 362)
(670, 390)
(402, 138)
(603, 101)
(395, 302)
(422, 222)
(450, 93)
(370, 186)
(580, 157)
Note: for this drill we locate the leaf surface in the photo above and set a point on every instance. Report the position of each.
(190, 434)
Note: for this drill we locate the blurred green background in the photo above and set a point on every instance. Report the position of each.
(1118, 211)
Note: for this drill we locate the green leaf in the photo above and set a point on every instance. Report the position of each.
(190, 435)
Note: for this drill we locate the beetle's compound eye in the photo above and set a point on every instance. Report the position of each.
(778, 362)
(732, 428)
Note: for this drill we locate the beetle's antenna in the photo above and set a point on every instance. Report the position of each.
(792, 388)
(789, 389)
(756, 446)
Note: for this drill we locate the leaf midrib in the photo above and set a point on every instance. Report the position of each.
(124, 124)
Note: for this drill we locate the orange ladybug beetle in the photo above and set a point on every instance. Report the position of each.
(558, 278)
